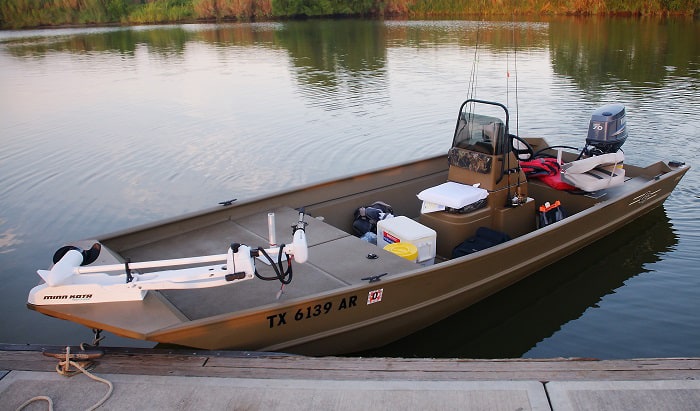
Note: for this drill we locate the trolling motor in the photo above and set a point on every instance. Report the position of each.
(70, 281)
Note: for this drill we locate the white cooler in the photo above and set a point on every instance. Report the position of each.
(403, 229)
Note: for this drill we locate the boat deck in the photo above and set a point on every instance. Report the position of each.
(336, 259)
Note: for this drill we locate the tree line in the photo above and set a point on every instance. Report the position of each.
(38, 13)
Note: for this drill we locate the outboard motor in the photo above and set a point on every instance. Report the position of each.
(607, 131)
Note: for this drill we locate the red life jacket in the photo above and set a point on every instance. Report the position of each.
(547, 170)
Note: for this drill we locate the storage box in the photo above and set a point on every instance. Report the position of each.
(403, 229)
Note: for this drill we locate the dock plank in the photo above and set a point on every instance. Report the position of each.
(189, 380)
(182, 393)
(261, 365)
(624, 395)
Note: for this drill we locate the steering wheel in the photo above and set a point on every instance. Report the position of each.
(522, 149)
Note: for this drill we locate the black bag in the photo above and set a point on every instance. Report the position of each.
(366, 218)
(484, 238)
(550, 213)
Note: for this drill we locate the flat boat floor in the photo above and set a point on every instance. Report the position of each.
(336, 259)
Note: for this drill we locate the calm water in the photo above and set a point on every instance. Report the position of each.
(103, 129)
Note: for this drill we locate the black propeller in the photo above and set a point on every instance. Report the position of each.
(89, 256)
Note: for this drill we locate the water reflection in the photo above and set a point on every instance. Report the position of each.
(104, 129)
(339, 61)
(599, 52)
(510, 323)
(496, 36)
(165, 41)
(594, 52)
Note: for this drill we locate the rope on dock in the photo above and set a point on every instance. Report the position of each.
(37, 398)
(64, 368)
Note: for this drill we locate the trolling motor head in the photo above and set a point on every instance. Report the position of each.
(89, 256)
(65, 260)
(607, 131)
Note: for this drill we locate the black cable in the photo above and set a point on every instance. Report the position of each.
(540, 153)
(284, 276)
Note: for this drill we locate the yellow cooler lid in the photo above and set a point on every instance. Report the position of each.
(405, 250)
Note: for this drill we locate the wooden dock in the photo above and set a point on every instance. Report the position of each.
(162, 379)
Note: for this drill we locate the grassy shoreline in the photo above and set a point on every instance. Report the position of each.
(23, 14)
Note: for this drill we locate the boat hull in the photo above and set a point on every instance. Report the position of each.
(361, 315)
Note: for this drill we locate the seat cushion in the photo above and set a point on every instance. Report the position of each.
(453, 195)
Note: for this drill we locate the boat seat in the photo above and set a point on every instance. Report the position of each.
(470, 160)
(595, 173)
(453, 196)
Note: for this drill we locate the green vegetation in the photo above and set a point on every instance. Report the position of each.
(35, 13)
(160, 11)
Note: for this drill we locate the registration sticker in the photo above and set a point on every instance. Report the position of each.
(375, 296)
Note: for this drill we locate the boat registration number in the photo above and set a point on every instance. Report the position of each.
(311, 311)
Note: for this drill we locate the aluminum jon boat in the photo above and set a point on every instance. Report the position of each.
(374, 256)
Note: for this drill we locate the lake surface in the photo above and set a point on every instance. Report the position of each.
(107, 128)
